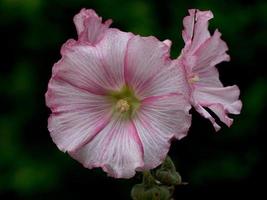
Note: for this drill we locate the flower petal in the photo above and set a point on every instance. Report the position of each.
(221, 101)
(189, 23)
(95, 69)
(210, 53)
(207, 115)
(89, 26)
(117, 149)
(77, 115)
(196, 29)
(148, 67)
(81, 66)
(159, 120)
(113, 50)
(208, 78)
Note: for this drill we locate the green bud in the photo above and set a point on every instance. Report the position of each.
(167, 173)
(149, 190)
(141, 192)
(169, 178)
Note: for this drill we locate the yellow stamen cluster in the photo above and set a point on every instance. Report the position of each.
(122, 106)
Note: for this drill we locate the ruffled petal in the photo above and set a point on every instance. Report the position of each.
(196, 29)
(210, 53)
(159, 120)
(189, 23)
(202, 51)
(117, 149)
(222, 101)
(77, 115)
(95, 69)
(207, 115)
(90, 27)
(148, 67)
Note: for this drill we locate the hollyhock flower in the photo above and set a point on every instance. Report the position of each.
(201, 53)
(115, 99)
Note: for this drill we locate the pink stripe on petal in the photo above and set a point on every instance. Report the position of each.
(145, 57)
(157, 122)
(116, 149)
(113, 48)
(136, 137)
(208, 78)
(148, 68)
(210, 53)
(77, 115)
(94, 69)
(151, 99)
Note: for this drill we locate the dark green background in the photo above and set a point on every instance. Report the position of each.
(32, 32)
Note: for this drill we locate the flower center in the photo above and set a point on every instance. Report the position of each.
(125, 103)
(122, 106)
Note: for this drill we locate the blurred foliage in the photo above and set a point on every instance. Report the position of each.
(32, 31)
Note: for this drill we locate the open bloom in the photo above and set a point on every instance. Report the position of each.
(115, 99)
(197, 60)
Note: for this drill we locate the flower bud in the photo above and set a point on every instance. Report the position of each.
(167, 173)
(141, 192)
(149, 190)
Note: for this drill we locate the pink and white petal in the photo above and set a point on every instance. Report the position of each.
(146, 63)
(219, 110)
(159, 119)
(206, 115)
(90, 27)
(227, 96)
(170, 80)
(208, 78)
(80, 18)
(117, 149)
(199, 30)
(189, 23)
(66, 47)
(182, 78)
(221, 101)
(77, 115)
(210, 53)
(83, 67)
(113, 50)
(168, 42)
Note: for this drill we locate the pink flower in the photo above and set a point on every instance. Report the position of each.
(197, 60)
(115, 99)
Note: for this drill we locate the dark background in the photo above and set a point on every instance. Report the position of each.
(224, 163)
